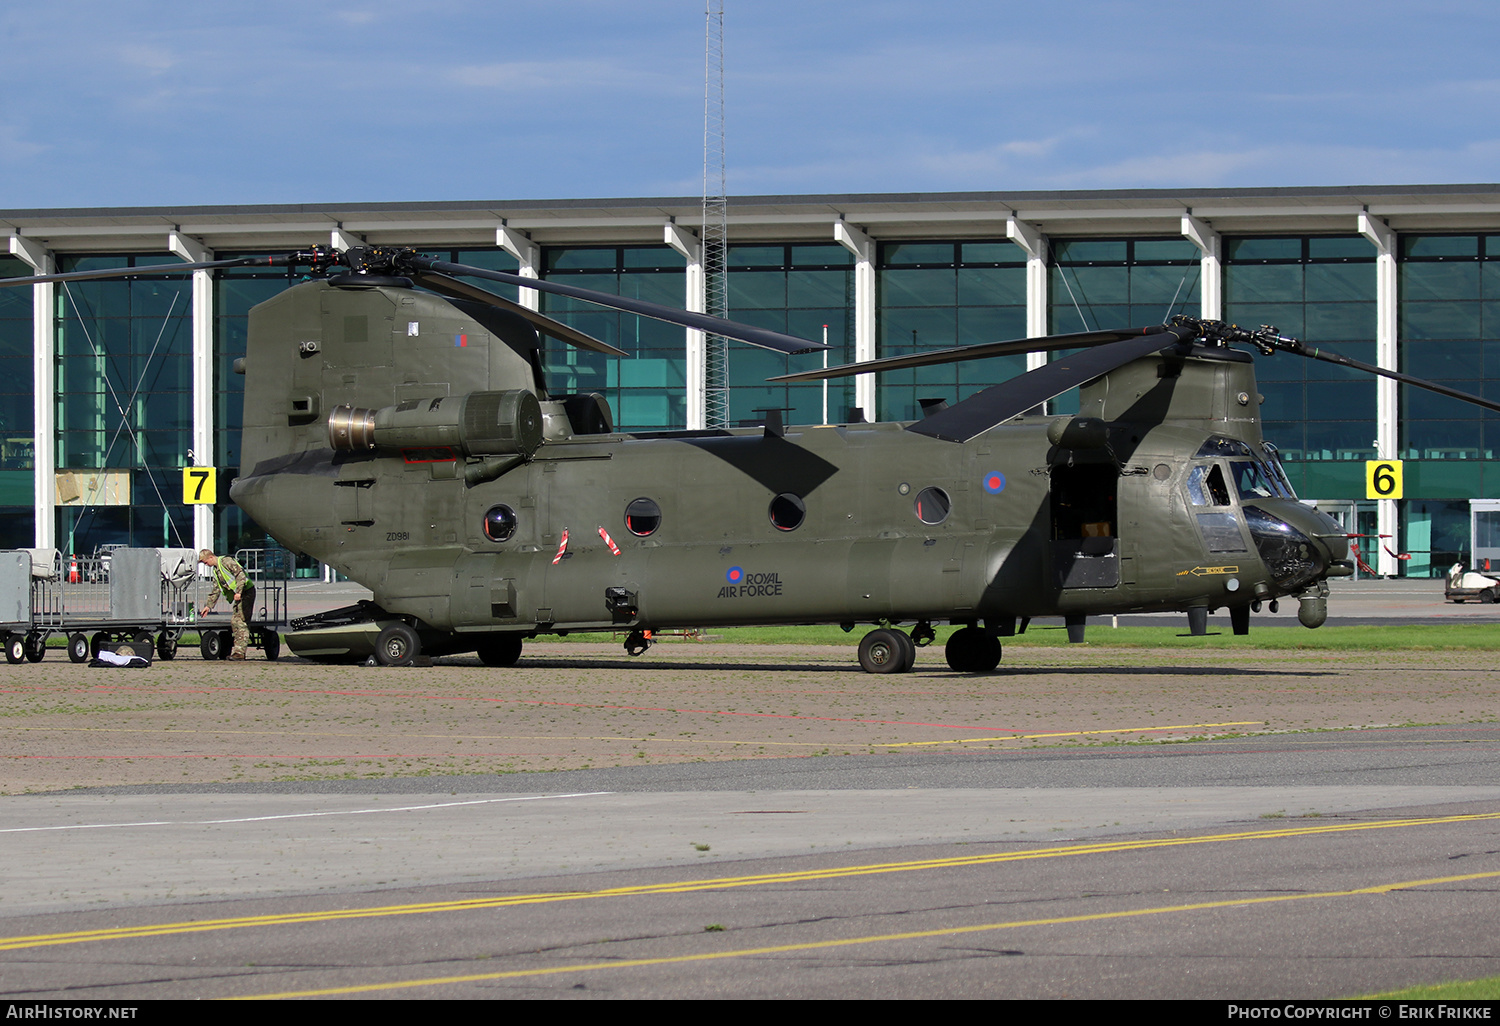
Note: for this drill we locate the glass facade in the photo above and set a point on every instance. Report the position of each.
(123, 405)
(1098, 284)
(648, 390)
(1449, 288)
(936, 295)
(798, 290)
(1320, 289)
(123, 361)
(17, 430)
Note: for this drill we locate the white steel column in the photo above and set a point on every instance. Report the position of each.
(1387, 401)
(44, 387)
(529, 255)
(1211, 281)
(1035, 244)
(203, 454)
(688, 244)
(863, 248)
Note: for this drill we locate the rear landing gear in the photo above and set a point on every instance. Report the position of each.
(971, 650)
(500, 650)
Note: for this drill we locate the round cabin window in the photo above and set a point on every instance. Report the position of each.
(787, 511)
(499, 523)
(932, 505)
(642, 517)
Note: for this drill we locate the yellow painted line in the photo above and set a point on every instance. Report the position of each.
(952, 931)
(1070, 733)
(718, 883)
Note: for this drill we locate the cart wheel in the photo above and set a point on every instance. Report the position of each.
(270, 643)
(226, 644)
(142, 638)
(15, 649)
(166, 645)
(1487, 596)
(211, 644)
(97, 643)
(78, 648)
(397, 645)
(36, 647)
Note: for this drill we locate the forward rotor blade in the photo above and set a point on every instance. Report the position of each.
(1405, 379)
(456, 289)
(136, 272)
(999, 403)
(981, 351)
(773, 340)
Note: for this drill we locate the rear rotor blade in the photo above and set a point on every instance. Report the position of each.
(983, 350)
(761, 337)
(999, 403)
(136, 272)
(456, 289)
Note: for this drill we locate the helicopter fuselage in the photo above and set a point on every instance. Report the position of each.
(1158, 495)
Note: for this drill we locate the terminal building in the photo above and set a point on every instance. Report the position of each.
(109, 388)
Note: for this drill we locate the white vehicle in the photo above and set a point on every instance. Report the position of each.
(1463, 585)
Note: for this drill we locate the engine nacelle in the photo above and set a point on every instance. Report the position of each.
(477, 424)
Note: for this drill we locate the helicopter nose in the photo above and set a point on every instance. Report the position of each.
(1295, 545)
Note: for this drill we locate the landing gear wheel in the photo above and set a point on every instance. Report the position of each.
(212, 645)
(882, 651)
(166, 646)
(270, 644)
(397, 645)
(15, 649)
(971, 650)
(36, 647)
(500, 650)
(908, 649)
(78, 648)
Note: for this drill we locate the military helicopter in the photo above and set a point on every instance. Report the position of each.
(398, 427)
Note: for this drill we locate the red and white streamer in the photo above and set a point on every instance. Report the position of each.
(609, 541)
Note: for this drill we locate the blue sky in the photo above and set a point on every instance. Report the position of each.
(171, 103)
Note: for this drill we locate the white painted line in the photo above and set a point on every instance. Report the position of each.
(299, 815)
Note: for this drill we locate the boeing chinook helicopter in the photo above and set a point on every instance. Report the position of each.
(398, 427)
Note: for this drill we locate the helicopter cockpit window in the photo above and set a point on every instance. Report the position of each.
(1218, 445)
(642, 517)
(499, 523)
(787, 511)
(1251, 481)
(1206, 486)
(932, 505)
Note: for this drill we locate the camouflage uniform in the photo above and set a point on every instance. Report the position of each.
(229, 577)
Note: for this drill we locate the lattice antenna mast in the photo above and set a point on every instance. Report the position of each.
(715, 219)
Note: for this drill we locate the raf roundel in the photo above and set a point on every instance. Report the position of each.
(994, 482)
(735, 575)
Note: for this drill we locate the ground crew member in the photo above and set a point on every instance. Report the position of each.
(230, 579)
